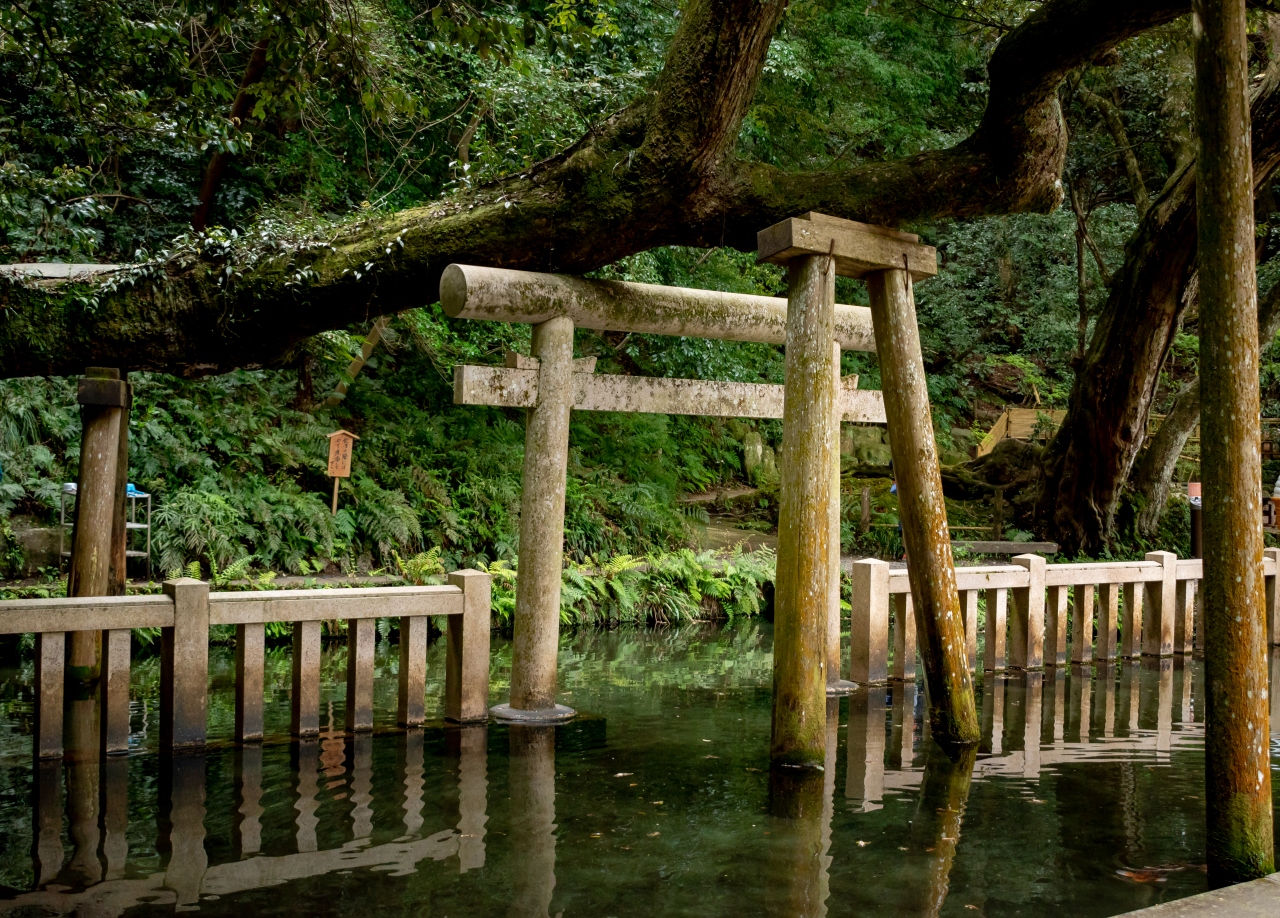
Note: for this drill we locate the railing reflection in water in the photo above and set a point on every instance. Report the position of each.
(1031, 722)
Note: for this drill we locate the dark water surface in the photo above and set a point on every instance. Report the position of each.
(1086, 799)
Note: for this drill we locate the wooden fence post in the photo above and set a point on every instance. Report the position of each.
(50, 665)
(905, 640)
(362, 637)
(250, 666)
(869, 622)
(184, 666)
(1157, 627)
(466, 673)
(305, 673)
(1273, 590)
(1131, 620)
(115, 691)
(411, 711)
(1026, 627)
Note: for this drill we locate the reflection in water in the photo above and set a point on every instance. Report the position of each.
(533, 820)
(361, 786)
(46, 795)
(114, 775)
(306, 764)
(935, 827)
(473, 753)
(864, 777)
(413, 782)
(794, 882)
(181, 841)
(248, 831)
(992, 714)
(902, 737)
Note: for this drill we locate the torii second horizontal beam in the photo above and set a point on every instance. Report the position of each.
(505, 388)
(503, 295)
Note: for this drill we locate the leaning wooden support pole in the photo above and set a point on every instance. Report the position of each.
(1240, 841)
(835, 684)
(546, 461)
(802, 598)
(940, 628)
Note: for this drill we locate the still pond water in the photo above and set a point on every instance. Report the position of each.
(1086, 799)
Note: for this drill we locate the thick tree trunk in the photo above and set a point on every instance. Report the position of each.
(1087, 464)
(660, 172)
(1237, 762)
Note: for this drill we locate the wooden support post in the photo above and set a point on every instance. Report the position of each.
(969, 608)
(1273, 591)
(997, 516)
(1082, 623)
(546, 458)
(115, 691)
(250, 666)
(835, 684)
(466, 668)
(50, 666)
(1026, 626)
(1184, 611)
(953, 714)
(184, 666)
(994, 653)
(1108, 621)
(864, 521)
(362, 638)
(1240, 843)
(1157, 629)
(1055, 625)
(1131, 620)
(869, 622)
(803, 584)
(411, 702)
(119, 569)
(904, 639)
(102, 396)
(305, 707)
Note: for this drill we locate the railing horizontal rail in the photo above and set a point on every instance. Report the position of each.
(323, 605)
(1102, 572)
(90, 613)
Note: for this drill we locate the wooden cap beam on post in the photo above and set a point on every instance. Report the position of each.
(502, 295)
(858, 249)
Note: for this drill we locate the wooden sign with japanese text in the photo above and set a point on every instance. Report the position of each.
(340, 443)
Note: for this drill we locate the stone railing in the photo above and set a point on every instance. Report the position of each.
(1113, 609)
(187, 610)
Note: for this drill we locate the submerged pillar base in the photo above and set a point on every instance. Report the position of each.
(557, 714)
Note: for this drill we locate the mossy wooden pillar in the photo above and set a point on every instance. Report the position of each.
(890, 262)
(546, 458)
(1240, 842)
(102, 396)
(802, 603)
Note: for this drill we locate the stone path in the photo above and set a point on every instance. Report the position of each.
(1248, 900)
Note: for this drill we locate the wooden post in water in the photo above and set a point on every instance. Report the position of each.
(835, 684)
(119, 573)
(546, 456)
(940, 629)
(102, 396)
(889, 261)
(1240, 841)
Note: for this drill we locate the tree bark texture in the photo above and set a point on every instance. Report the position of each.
(660, 172)
(803, 583)
(953, 715)
(1087, 464)
(1237, 733)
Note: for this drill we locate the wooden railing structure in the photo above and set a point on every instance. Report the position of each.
(187, 610)
(1119, 609)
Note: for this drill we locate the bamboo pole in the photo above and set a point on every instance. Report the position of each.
(802, 597)
(1240, 842)
(939, 626)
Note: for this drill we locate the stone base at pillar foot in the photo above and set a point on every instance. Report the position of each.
(840, 687)
(504, 713)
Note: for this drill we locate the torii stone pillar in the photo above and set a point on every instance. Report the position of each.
(816, 248)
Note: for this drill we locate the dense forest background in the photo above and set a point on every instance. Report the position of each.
(115, 115)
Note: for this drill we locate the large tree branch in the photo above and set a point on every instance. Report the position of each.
(661, 172)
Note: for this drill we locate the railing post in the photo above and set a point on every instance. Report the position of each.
(1026, 627)
(997, 622)
(466, 670)
(1184, 610)
(869, 622)
(1055, 625)
(1082, 623)
(1273, 590)
(184, 665)
(1157, 631)
(969, 609)
(115, 691)
(250, 663)
(411, 702)
(1108, 620)
(904, 639)
(362, 635)
(305, 710)
(51, 649)
(1131, 620)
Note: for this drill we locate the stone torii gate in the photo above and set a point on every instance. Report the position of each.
(551, 383)
(815, 248)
